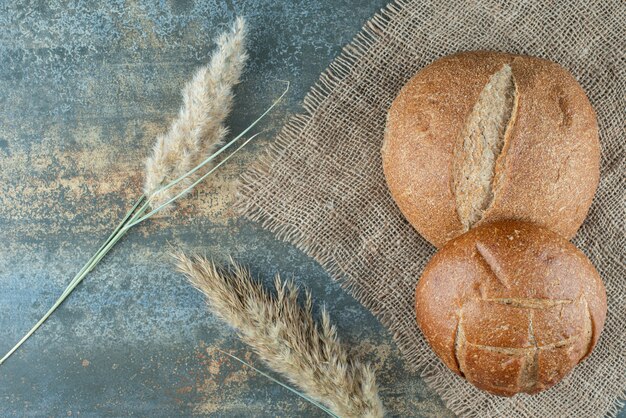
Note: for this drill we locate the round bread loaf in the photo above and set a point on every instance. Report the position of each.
(483, 136)
(511, 307)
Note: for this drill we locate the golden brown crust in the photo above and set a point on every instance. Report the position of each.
(510, 306)
(547, 172)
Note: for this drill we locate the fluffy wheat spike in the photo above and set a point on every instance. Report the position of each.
(199, 128)
(286, 337)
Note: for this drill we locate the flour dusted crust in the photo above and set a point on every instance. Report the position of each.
(545, 167)
(511, 307)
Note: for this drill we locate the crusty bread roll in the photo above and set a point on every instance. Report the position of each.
(511, 307)
(484, 136)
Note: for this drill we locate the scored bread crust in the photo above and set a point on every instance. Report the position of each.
(511, 307)
(546, 172)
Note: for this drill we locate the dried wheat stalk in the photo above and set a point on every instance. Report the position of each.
(192, 141)
(286, 336)
(199, 129)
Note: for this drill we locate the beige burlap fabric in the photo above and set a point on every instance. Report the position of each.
(321, 186)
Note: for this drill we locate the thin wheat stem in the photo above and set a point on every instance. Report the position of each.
(78, 278)
(124, 220)
(115, 239)
(225, 147)
(138, 218)
(194, 184)
(300, 394)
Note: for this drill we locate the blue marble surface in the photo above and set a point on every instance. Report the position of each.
(84, 88)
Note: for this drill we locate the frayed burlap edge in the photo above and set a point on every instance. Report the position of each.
(327, 81)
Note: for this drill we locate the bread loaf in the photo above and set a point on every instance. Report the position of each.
(511, 307)
(484, 136)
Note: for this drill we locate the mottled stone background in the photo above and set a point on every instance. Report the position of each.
(84, 88)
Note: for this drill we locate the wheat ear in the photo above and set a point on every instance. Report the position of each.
(199, 127)
(286, 337)
(174, 154)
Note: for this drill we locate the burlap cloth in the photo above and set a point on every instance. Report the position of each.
(321, 186)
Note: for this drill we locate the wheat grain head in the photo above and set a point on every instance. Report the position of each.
(285, 335)
(199, 128)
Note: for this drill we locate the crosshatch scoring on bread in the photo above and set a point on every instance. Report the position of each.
(521, 361)
(510, 307)
(480, 146)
